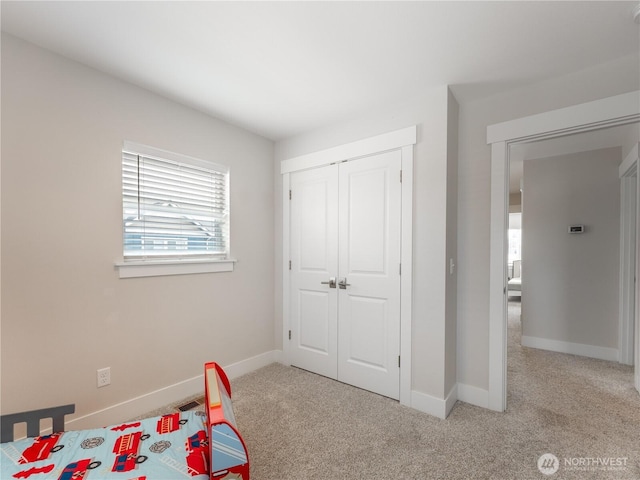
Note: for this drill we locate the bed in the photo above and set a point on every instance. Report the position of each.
(515, 287)
(192, 444)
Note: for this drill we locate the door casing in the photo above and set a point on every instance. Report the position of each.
(627, 336)
(402, 140)
(608, 112)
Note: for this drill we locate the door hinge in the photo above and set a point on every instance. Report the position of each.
(289, 334)
(400, 176)
(398, 361)
(400, 269)
(289, 264)
(289, 194)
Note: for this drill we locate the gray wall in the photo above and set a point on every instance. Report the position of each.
(570, 281)
(65, 312)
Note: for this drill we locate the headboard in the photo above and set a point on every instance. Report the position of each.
(32, 419)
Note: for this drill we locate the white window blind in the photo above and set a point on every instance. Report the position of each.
(173, 206)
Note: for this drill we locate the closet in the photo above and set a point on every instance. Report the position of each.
(343, 278)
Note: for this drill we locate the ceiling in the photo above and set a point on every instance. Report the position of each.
(282, 68)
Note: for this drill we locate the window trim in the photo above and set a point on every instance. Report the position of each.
(167, 155)
(152, 267)
(156, 268)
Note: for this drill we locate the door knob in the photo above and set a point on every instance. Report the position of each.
(331, 282)
(343, 283)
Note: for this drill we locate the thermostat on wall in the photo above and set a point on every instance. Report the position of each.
(576, 228)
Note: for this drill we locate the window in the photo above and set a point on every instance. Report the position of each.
(515, 242)
(173, 207)
(515, 237)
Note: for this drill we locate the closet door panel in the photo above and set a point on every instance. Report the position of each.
(314, 260)
(369, 268)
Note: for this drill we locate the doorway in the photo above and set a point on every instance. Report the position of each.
(593, 116)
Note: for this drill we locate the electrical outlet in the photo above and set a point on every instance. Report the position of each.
(104, 377)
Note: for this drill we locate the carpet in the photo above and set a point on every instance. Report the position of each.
(585, 412)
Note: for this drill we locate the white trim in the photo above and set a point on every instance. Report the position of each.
(286, 300)
(438, 407)
(139, 149)
(252, 364)
(142, 404)
(473, 395)
(406, 279)
(628, 246)
(450, 400)
(592, 351)
(629, 167)
(618, 110)
(400, 139)
(349, 151)
(173, 267)
(498, 277)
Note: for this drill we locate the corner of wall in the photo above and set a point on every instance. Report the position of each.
(473, 395)
(438, 407)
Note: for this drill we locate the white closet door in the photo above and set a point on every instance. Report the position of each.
(345, 225)
(369, 263)
(314, 260)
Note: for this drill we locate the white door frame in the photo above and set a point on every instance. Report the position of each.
(628, 227)
(403, 140)
(608, 112)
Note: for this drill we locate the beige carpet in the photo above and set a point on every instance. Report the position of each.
(298, 425)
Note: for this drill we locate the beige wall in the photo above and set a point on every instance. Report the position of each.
(65, 312)
(570, 281)
(434, 184)
(515, 203)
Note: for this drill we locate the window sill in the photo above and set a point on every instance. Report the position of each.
(156, 268)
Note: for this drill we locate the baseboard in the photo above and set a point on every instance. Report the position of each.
(473, 395)
(438, 407)
(451, 400)
(592, 351)
(173, 393)
(243, 367)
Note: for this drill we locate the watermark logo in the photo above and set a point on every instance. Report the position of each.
(548, 464)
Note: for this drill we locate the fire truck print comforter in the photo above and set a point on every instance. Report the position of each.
(170, 447)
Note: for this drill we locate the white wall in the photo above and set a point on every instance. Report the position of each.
(65, 312)
(474, 192)
(570, 291)
(435, 182)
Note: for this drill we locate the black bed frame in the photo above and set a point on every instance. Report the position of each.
(32, 419)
